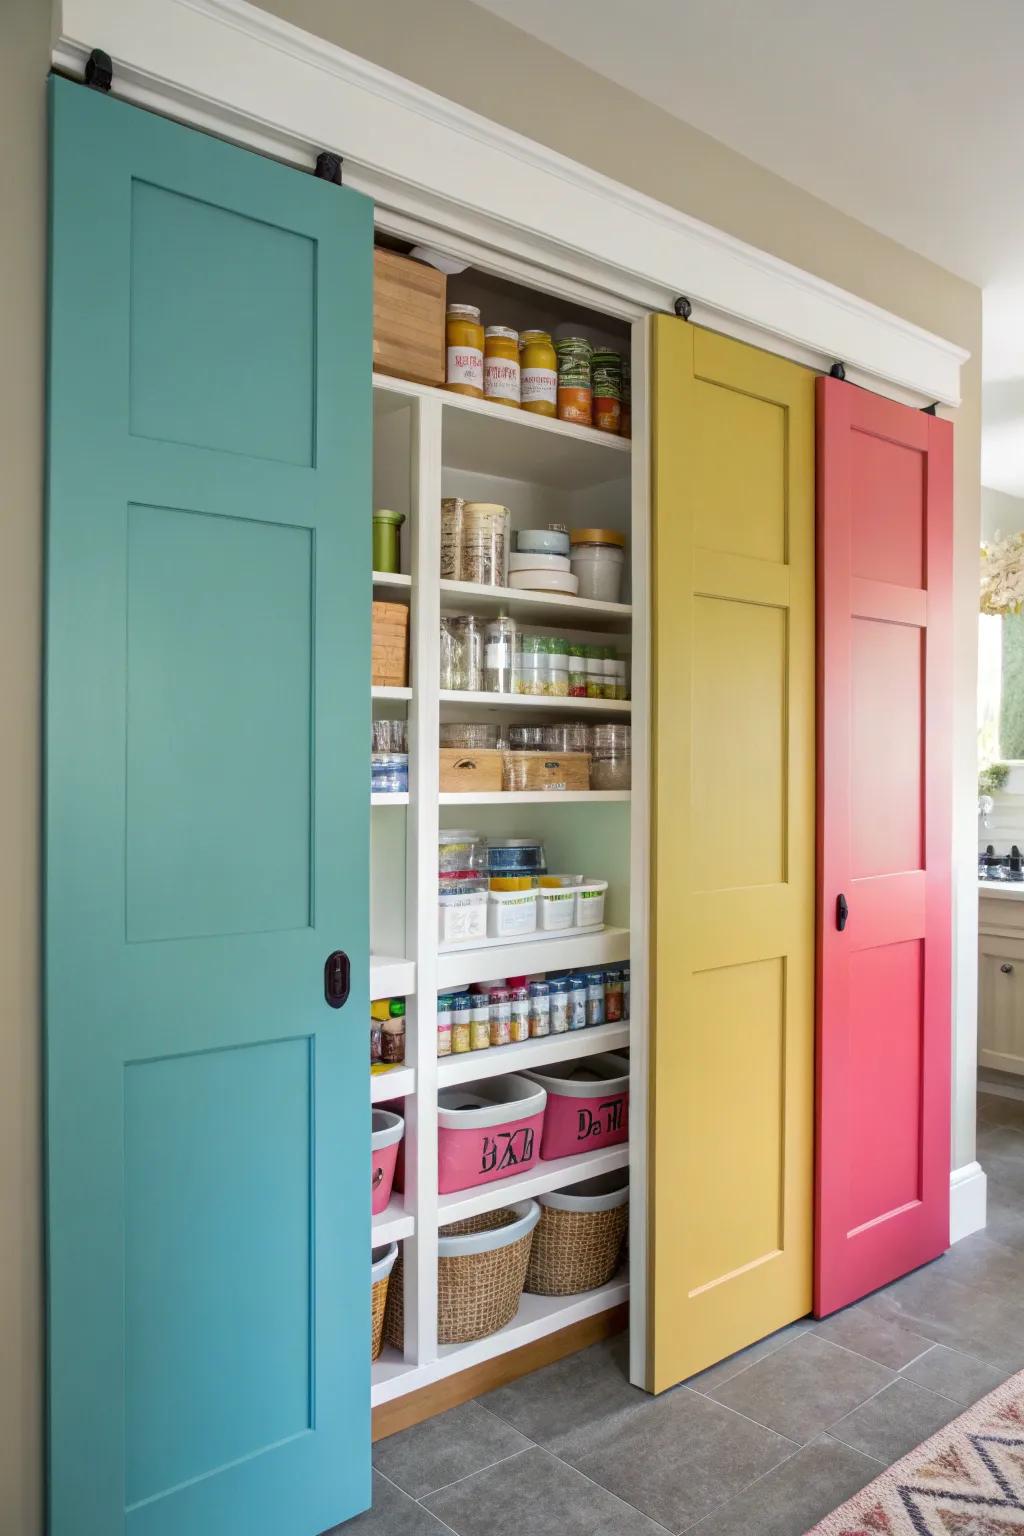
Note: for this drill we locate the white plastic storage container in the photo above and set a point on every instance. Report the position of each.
(590, 899)
(461, 917)
(511, 913)
(556, 907)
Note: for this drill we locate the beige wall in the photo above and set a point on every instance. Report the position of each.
(452, 47)
(26, 39)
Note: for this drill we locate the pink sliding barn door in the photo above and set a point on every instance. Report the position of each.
(885, 515)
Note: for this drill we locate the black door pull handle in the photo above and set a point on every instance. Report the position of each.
(842, 911)
(337, 978)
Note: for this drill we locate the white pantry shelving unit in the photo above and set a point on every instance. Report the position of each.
(429, 444)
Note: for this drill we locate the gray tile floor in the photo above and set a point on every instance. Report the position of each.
(766, 1442)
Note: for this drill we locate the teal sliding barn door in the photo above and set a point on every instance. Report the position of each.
(207, 728)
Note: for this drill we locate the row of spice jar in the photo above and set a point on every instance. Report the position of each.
(519, 1008)
(569, 378)
(478, 656)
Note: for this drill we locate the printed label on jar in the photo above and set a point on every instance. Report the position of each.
(466, 366)
(498, 653)
(501, 379)
(540, 384)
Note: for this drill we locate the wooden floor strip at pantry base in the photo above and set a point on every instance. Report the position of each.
(403, 1412)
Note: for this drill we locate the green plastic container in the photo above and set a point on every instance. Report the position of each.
(387, 545)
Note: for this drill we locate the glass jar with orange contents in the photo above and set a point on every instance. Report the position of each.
(501, 365)
(538, 373)
(464, 340)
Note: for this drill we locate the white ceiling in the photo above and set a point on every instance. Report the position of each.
(906, 114)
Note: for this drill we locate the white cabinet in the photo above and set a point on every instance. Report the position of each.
(1001, 983)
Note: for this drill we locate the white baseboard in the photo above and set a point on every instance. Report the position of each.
(967, 1196)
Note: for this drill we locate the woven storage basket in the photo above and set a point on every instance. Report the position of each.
(477, 1293)
(578, 1250)
(383, 1260)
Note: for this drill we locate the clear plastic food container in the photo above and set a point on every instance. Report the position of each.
(469, 735)
(460, 850)
(516, 855)
(389, 773)
(485, 540)
(598, 560)
(500, 655)
(572, 736)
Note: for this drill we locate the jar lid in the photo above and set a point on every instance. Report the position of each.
(528, 336)
(502, 330)
(606, 355)
(573, 341)
(488, 508)
(382, 515)
(513, 842)
(469, 311)
(597, 536)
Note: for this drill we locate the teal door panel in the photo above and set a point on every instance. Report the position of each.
(207, 834)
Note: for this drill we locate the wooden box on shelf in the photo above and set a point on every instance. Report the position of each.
(546, 770)
(465, 770)
(390, 663)
(408, 318)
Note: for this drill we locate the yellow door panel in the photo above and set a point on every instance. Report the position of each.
(732, 1018)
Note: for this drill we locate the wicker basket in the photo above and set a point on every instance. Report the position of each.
(381, 1265)
(578, 1242)
(478, 1288)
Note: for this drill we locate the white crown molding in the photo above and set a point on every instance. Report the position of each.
(228, 67)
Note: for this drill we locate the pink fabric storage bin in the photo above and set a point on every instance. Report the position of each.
(588, 1105)
(388, 1130)
(488, 1130)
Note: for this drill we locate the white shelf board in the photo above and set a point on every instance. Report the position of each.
(537, 607)
(400, 797)
(526, 701)
(391, 976)
(523, 1186)
(532, 797)
(532, 952)
(492, 439)
(397, 1083)
(393, 1223)
(378, 692)
(471, 1066)
(537, 1317)
(391, 1376)
(396, 579)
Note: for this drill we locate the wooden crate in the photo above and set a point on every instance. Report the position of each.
(546, 770)
(465, 768)
(390, 654)
(408, 318)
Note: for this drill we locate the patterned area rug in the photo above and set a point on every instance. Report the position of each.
(968, 1480)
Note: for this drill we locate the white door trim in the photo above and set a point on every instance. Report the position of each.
(237, 71)
(968, 1189)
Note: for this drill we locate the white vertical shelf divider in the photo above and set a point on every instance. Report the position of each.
(640, 856)
(420, 1252)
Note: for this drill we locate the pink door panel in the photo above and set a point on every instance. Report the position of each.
(884, 722)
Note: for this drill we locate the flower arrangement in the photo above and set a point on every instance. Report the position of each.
(1002, 574)
(993, 778)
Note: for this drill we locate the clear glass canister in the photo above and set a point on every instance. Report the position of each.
(449, 653)
(570, 736)
(484, 546)
(451, 538)
(610, 762)
(468, 633)
(500, 655)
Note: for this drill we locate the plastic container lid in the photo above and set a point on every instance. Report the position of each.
(532, 561)
(387, 1129)
(597, 536)
(527, 1214)
(551, 541)
(463, 309)
(502, 330)
(602, 1193)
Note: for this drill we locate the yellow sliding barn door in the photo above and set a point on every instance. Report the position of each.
(733, 810)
